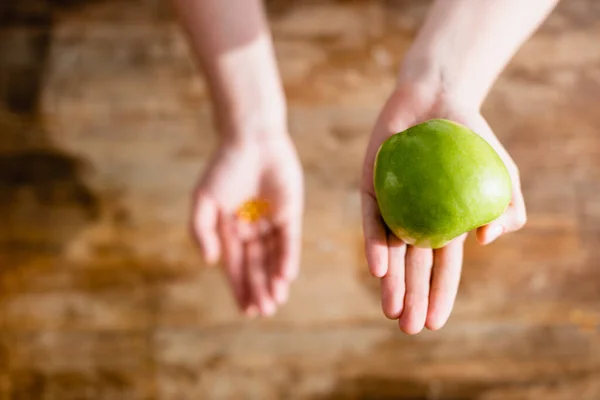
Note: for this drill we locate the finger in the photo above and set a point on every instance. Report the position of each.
(513, 219)
(392, 284)
(256, 276)
(418, 274)
(278, 287)
(289, 246)
(447, 264)
(233, 260)
(248, 231)
(205, 228)
(374, 231)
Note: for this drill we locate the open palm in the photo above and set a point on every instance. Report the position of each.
(418, 285)
(261, 258)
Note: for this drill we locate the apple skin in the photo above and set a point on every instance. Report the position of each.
(438, 180)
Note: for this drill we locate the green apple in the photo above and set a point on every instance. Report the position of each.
(438, 180)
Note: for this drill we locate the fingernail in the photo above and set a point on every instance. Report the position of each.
(494, 233)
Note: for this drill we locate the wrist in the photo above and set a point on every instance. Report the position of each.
(254, 110)
(464, 45)
(447, 54)
(431, 76)
(256, 128)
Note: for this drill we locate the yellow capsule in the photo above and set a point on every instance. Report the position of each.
(253, 210)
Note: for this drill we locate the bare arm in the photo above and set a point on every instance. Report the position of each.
(465, 44)
(232, 44)
(255, 160)
(459, 52)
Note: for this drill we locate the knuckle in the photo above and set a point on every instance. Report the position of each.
(440, 291)
(372, 242)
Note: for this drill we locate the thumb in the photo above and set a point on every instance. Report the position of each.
(513, 219)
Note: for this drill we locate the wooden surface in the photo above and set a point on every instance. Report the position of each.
(104, 127)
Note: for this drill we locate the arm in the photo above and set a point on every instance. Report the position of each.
(464, 44)
(232, 44)
(458, 53)
(256, 158)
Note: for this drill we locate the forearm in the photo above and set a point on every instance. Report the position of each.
(232, 44)
(465, 44)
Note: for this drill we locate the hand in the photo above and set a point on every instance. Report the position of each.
(261, 258)
(419, 286)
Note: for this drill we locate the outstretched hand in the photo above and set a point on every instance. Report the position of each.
(261, 257)
(419, 286)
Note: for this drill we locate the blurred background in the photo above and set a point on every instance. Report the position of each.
(105, 127)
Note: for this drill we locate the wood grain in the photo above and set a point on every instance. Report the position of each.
(104, 128)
